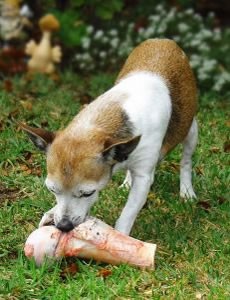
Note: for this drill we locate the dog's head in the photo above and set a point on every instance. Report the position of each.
(78, 167)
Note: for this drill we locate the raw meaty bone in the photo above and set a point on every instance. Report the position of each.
(92, 239)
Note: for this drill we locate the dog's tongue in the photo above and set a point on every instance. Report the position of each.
(42, 243)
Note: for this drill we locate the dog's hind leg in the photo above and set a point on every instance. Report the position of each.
(189, 145)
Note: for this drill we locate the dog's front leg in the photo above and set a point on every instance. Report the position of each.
(48, 217)
(136, 200)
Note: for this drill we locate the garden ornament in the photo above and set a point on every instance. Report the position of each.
(43, 55)
(12, 21)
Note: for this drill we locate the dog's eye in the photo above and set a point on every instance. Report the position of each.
(87, 194)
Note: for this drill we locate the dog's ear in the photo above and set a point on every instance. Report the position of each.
(40, 137)
(120, 151)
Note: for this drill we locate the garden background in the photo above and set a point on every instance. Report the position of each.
(192, 259)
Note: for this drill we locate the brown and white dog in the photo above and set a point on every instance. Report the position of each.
(148, 111)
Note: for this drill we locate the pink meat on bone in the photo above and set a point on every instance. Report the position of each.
(92, 239)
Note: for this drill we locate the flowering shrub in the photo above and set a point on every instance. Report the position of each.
(206, 46)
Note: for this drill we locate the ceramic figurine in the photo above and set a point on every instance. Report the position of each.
(12, 21)
(43, 55)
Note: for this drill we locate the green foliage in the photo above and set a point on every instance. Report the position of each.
(72, 28)
(106, 9)
(79, 13)
(206, 46)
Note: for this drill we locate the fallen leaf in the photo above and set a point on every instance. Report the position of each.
(26, 104)
(104, 273)
(2, 125)
(55, 114)
(227, 123)
(70, 270)
(13, 114)
(85, 99)
(221, 200)
(205, 205)
(198, 295)
(8, 86)
(44, 123)
(214, 150)
(199, 170)
(25, 169)
(9, 193)
(27, 155)
(227, 146)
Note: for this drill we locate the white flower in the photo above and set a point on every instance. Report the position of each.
(211, 14)
(154, 18)
(195, 61)
(221, 79)
(102, 54)
(98, 34)
(195, 43)
(161, 28)
(159, 7)
(149, 32)
(89, 29)
(78, 56)
(114, 42)
(113, 32)
(176, 38)
(189, 11)
(82, 65)
(86, 57)
(206, 33)
(216, 34)
(130, 26)
(183, 27)
(141, 31)
(197, 17)
(105, 40)
(204, 47)
(85, 42)
(202, 75)
(209, 65)
(171, 15)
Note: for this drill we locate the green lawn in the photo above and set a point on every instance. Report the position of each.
(192, 260)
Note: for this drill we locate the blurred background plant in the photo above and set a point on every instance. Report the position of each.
(98, 35)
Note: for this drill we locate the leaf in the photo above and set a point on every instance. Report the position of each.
(8, 86)
(69, 271)
(205, 205)
(227, 146)
(227, 123)
(214, 150)
(2, 125)
(25, 169)
(104, 273)
(26, 104)
(221, 200)
(199, 170)
(11, 193)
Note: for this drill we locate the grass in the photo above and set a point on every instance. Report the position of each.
(192, 260)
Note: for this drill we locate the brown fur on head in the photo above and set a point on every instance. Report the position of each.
(49, 23)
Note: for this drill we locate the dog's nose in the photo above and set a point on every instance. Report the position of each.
(65, 225)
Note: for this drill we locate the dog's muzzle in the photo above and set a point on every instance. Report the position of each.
(65, 225)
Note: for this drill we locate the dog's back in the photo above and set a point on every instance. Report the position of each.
(165, 58)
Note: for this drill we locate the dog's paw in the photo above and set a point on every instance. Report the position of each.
(47, 219)
(187, 193)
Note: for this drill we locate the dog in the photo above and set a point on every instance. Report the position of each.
(150, 109)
